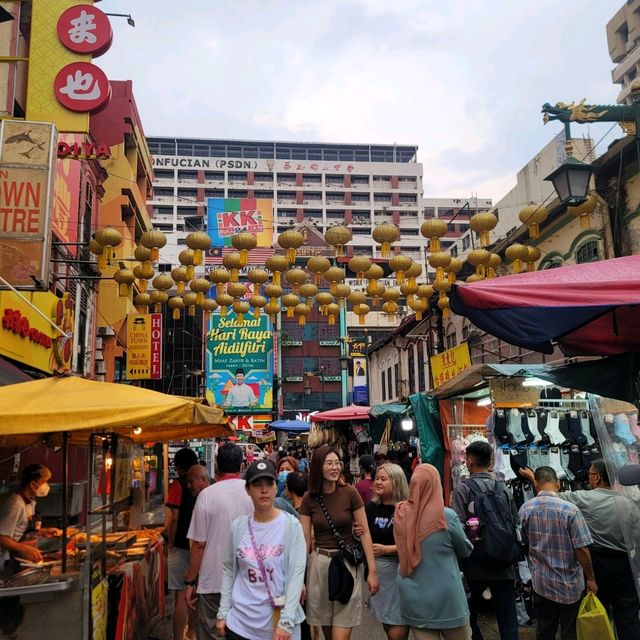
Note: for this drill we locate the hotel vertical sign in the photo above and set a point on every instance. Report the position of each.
(144, 346)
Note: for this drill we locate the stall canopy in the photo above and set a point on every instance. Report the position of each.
(292, 426)
(352, 412)
(588, 309)
(615, 377)
(34, 410)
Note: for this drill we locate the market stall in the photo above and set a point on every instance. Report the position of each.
(108, 579)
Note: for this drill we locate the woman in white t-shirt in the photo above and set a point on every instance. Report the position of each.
(263, 570)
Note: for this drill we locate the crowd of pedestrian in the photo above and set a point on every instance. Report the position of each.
(275, 551)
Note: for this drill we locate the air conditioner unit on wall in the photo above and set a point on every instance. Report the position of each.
(101, 368)
(106, 331)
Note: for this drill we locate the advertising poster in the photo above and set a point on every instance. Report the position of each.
(27, 152)
(357, 351)
(66, 199)
(240, 364)
(228, 216)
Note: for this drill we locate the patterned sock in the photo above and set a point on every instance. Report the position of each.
(514, 426)
(500, 426)
(575, 461)
(543, 456)
(575, 427)
(505, 468)
(563, 426)
(532, 420)
(564, 461)
(555, 463)
(584, 427)
(533, 456)
(552, 430)
(524, 425)
(518, 458)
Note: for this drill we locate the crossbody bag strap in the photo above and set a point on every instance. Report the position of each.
(260, 560)
(337, 536)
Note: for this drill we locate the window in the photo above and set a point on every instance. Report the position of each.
(389, 383)
(466, 242)
(383, 383)
(452, 339)
(396, 377)
(382, 197)
(429, 212)
(422, 373)
(239, 177)
(411, 197)
(412, 373)
(360, 197)
(555, 264)
(213, 175)
(214, 193)
(588, 252)
(466, 327)
(164, 268)
(359, 179)
(163, 174)
(163, 192)
(454, 252)
(237, 193)
(190, 176)
(263, 177)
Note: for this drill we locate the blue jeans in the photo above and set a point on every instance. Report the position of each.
(503, 598)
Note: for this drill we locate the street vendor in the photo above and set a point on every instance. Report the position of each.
(18, 529)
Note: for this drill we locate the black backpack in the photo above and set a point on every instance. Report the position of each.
(498, 545)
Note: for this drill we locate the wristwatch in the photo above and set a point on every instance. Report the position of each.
(287, 625)
(191, 583)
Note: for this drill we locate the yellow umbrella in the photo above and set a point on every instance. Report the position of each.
(32, 411)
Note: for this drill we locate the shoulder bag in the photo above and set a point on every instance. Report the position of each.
(352, 553)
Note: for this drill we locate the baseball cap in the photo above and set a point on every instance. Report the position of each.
(260, 469)
(629, 474)
(368, 463)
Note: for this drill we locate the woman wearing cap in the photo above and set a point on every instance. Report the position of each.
(263, 570)
(430, 539)
(346, 509)
(389, 487)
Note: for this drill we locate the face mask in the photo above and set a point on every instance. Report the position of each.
(43, 490)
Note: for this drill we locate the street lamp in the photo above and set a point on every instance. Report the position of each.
(130, 20)
(307, 386)
(571, 181)
(344, 362)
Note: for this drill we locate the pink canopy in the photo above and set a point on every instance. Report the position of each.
(352, 412)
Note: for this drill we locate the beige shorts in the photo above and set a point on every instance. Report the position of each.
(322, 612)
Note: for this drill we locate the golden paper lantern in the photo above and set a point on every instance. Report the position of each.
(143, 272)
(244, 242)
(424, 291)
(219, 276)
(408, 290)
(272, 309)
(391, 294)
(373, 274)
(153, 240)
(332, 312)
(257, 277)
(241, 308)
(359, 265)
(338, 237)
(478, 258)
(399, 263)
(494, 262)
(108, 238)
(308, 291)
(584, 211)
(276, 265)
(233, 262)
(158, 298)
(323, 300)
(163, 282)
(434, 229)
(341, 293)
(177, 304)
(385, 234)
(237, 290)
(301, 311)
(224, 301)
(482, 223)
(200, 286)
(443, 304)
(257, 302)
(273, 292)
(295, 277)
(442, 288)
(142, 254)
(142, 300)
(124, 278)
(361, 311)
(208, 305)
(290, 240)
(516, 254)
(357, 297)
(419, 306)
(533, 215)
(377, 294)
(439, 261)
(187, 259)
(318, 265)
(179, 275)
(333, 276)
(290, 300)
(474, 277)
(95, 247)
(390, 308)
(453, 269)
(534, 255)
(413, 273)
(200, 242)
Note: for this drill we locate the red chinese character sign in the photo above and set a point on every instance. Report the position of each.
(82, 87)
(85, 29)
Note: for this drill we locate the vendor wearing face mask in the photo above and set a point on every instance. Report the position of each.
(18, 517)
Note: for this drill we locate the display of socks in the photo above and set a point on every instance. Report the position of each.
(514, 426)
(622, 429)
(552, 430)
(505, 467)
(563, 426)
(575, 428)
(500, 426)
(585, 422)
(542, 424)
(565, 461)
(518, 458)
(524, 425)
(532, 423)
(533, 457)
(543, 456)
(575, 461)
(555, 462)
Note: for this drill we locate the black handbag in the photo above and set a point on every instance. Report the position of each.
(340, 581)
(352, 553)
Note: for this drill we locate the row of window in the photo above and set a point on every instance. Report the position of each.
(392, 387)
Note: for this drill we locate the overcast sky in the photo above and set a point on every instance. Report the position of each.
(463, 79)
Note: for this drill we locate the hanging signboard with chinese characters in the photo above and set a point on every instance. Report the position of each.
(144, 346)
(63, 85)
(447, 365)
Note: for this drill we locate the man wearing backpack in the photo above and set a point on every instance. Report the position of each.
(496, 548)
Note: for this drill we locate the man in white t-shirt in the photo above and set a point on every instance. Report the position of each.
(216, 508)
(241, 394)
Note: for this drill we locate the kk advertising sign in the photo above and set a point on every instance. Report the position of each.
(240, 364)
(447, 365)
(357, 353)
(228, 216)
(27, 156)
(144, 346)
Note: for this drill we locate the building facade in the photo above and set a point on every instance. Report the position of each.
(623, 38)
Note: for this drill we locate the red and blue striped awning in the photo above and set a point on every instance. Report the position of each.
(588, 309)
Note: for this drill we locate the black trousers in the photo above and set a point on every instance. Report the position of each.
(617, 590)
(550, 614)
(503, 598)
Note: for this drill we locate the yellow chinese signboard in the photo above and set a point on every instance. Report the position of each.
(144, 346)
(447, 365)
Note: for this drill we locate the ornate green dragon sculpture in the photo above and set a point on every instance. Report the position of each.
(627, 115)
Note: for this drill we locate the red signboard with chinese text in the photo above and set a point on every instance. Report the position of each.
(85, 29)
(81, 87)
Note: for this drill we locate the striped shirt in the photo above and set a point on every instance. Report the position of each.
(555, 529)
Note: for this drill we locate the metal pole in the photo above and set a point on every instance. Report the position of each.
(65, 498)
(343, 352)
(322, 386)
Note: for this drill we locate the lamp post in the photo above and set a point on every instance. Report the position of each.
(130, 20)
(307, 387)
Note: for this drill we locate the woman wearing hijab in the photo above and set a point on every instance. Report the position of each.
(430, 539)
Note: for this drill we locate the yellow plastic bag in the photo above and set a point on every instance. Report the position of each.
(593, 622)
